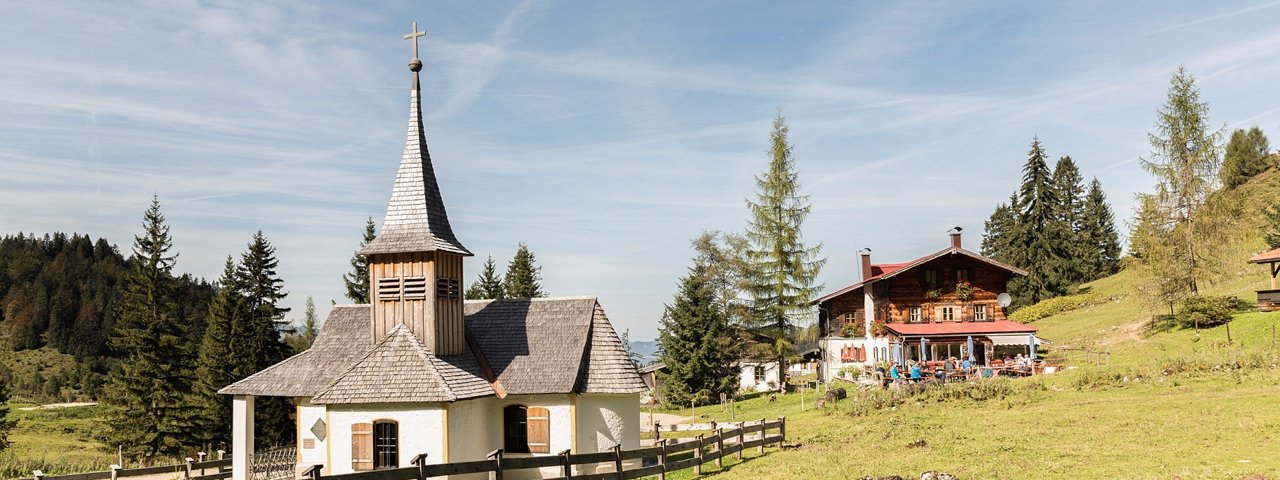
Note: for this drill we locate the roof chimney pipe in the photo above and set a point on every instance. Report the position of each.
(866, 263)
(955, 237)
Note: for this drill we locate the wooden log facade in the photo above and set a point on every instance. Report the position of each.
(925, 293)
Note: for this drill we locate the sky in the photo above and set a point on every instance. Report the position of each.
(605, 135)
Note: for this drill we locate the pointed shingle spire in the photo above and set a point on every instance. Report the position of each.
(416, 220)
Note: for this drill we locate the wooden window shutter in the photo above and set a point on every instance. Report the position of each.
(362, 446)
(539, 429)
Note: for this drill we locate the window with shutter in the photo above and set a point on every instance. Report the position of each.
(362, 446)
(539, 433)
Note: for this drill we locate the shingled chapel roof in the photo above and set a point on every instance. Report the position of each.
(543, 345)
(416, 220)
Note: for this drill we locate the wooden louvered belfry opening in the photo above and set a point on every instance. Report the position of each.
(423, 291)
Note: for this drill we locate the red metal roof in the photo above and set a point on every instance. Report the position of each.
(1266, 257)
(885, 268)
(961, 328)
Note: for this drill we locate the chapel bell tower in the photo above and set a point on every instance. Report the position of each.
(415, 263)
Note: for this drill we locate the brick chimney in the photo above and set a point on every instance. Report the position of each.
(866, 263)
(955, 237)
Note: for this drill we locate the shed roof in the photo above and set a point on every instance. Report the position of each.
(1269, 256)
(305, 374)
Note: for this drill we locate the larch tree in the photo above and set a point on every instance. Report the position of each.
(724, 256)
(523, 278)
(1184, 160)
(217, 361)
(262, 343)
(1098, 235)
(357, 280)
(1248, 153)
(305, 333)
(783, 273)
(488, 285)
(150, 409)
(697, 344)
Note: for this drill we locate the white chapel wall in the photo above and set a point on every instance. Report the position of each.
(475, 429)
(308, 414)
(421, 430)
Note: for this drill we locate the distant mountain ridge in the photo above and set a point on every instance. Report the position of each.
(648, 351)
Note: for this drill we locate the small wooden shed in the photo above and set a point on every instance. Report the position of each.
(1269, 300)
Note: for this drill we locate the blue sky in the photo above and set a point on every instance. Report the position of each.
(603, 134)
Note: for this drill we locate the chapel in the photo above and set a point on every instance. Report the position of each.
(420, 370)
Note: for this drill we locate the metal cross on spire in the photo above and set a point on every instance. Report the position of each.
(413, 35)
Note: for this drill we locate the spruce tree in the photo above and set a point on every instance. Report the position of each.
(1184, 160)
(697, 344)
(263, 345)
(524, 276)
(357, 281)
(488, 285)
(217, 360)
(1248, 153)
(1000, 231)
(6, 423)
(1069, 186)
(300, 338)
(1099, 237)
(1271, 225)
(783, 273)
(1041, 233)
(150, 410)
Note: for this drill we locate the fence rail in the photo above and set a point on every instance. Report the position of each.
(189, 470)
(667, 456)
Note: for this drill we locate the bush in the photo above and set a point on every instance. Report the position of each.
(1206, 310)
(1051, 307)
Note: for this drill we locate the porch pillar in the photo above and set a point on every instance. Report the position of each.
(241, 436)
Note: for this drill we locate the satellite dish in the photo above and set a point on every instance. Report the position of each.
(1004, 300)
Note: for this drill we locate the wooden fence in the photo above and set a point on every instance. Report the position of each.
(189, 470)
(668, 455)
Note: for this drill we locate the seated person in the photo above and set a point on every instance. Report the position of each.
(915, 372)
(966, 366)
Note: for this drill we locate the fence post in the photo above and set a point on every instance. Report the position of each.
(657, 431)
(420, 461)
(115, 472)
(617, 460)
(496, 455)
(662, 459)
(742, 439)
(37, 474)
(314, 471)
(761, 436)
(187, 474)
(697, 467)
(782, 430)
(568, 467)
(222, 454)
(719, 448)
(200, 456)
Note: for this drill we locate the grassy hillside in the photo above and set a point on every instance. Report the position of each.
(54, 440)
(1170, 403)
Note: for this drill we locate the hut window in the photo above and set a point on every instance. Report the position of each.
(515, 421)
(386, 439)
(913, 314)
(931, 278)
(962, 274)
(415, 288)
(946, 314)
(389, 289)
(526, 429)
(979, 313)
